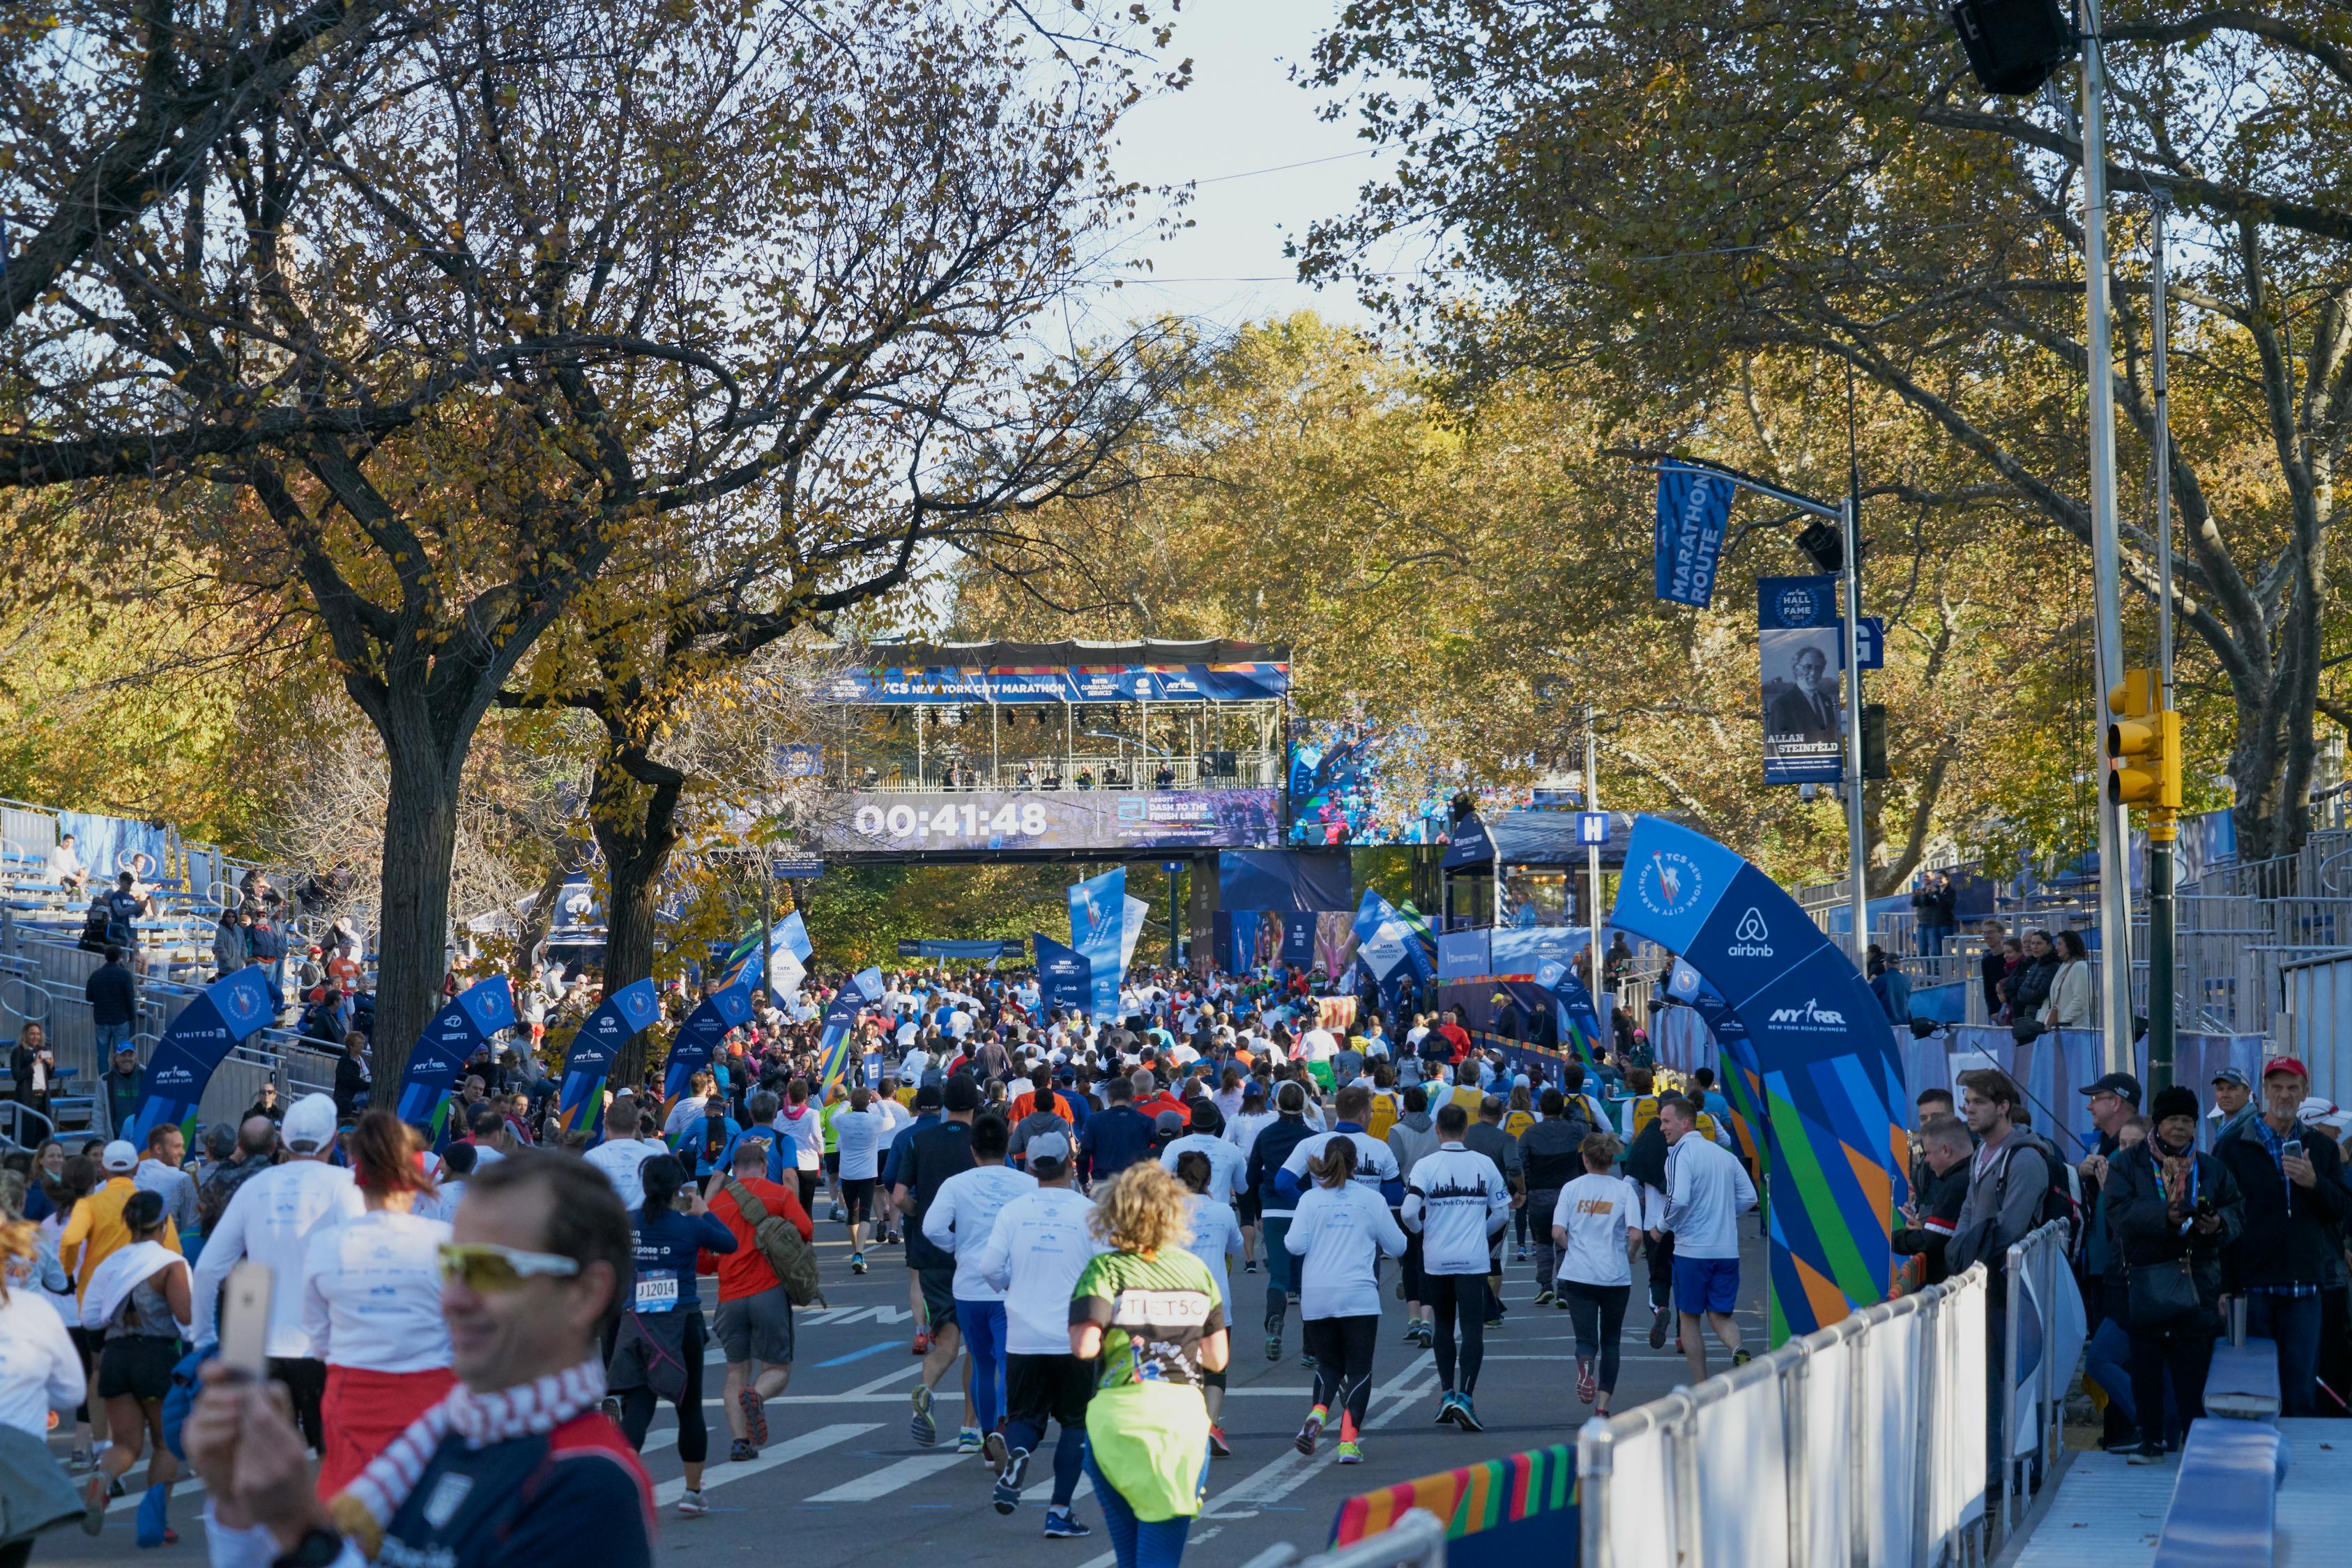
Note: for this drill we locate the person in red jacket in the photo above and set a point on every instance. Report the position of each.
(755, 1324)
(1456, 1037)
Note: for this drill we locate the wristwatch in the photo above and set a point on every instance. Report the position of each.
(319, 1547)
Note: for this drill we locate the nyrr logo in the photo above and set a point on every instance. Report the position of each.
(1669, 884)
(1752, 939)
(1811, 1013)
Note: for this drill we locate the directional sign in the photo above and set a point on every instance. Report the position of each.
(1592, 827)
(796, 868)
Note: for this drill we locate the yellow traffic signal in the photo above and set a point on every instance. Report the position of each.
(2143, 744)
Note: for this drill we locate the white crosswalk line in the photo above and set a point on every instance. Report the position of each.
(776, 1454)
(890, 1477)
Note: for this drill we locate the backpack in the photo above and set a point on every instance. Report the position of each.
(779, 1241)
(2058, 1201)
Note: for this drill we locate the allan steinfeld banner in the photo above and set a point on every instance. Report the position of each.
(1796, 647)
(1694, 510)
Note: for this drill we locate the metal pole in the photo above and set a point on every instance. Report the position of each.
(1592, 871)
(767, 966)
(2114, 866)
(2162, 912)
(1857, 853)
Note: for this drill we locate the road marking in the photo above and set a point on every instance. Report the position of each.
(861, 1354)
(783, 1453)
(889, 1478)
(912, 1369)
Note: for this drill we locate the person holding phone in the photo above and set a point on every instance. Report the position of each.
(658, 1352)
(2289, 1253)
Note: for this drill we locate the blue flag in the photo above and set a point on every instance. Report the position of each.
(1694, 513)
(438, 1058)
(1064, 979)
(864, 988)
(727, 1008)
(1097, 932)
(229, 1010)
(625, 1014)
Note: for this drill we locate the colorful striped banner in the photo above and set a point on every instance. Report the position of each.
(1506, 1512)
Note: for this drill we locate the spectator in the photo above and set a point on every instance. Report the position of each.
(32, 1068)
(159, 1172)
(232, 950)
(2008, 1190)
(1992, 968)
(2029, 987)
(2113, 1101)
(266, 1104)
(1933, 1209)
(2234, 1095)
(122, 1082)
(256, 1143)
(2069, 984)
(1933, 904)
(66, 868)
(351, 1078)
(266, 945)
(2289, 1250)
(125, 905)
(113, 998)
(2169, 1206)
(1889, 985)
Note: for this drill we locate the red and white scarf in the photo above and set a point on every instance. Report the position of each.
(538, 1407)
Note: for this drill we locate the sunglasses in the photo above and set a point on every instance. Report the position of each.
(487, 1267)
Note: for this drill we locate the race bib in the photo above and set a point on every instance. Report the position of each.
(655, 1294)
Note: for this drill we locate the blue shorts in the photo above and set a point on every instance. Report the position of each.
(1705, 1284)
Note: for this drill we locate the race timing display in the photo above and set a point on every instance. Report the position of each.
(1048, 819)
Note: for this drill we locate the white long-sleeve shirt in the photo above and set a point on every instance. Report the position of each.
(1339, 1234)
(1040, 1243)
(962, 1218)
(1456, 1200)
(1216, 1236)
(621, 1161)
(1707, 1192)
(1375, 1161)
(1228, 1166)
(371, 1294)
(271, 1221)
(176, 1186)
(40, 1371)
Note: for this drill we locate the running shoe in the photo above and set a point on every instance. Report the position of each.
(612, 1408)
(2145, 1454)
(1465, 1417)
(739, 1450)
(1740, 1357)
(1412, 1330)
(1351, 1453)
(1065, 1526)
(998, 1453)
(692, 1506)
(1217, 1444)
(1543, 1298)
(840, 1215)
(1658, 1328)
(857, 1263)
(1561, 1303)
(1588, 1387)
(1306, 1362)
(1310, 1434)
(1496, 1322)
(755, 1416)
(1446, 1407)
(1249, 1266)
(968, 1441)
(1006, 1495)
(925, 1430)
(93, 1505)
(1522, 1255)
(80, 1461)
(922, 1346)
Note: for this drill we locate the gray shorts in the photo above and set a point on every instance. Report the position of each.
(756, 1328)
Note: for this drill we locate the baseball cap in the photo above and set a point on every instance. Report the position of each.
(309, 1123)
(119, 1155)
(125, 1048)
(1048, 1148)
(1169, 1122)
(2321, 1112)
(2122, 1084)
(2287, 1065)
(2236, 1075)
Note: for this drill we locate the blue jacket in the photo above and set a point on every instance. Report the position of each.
(1114, 1139)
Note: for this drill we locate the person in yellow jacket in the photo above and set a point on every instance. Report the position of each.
(95, 1231)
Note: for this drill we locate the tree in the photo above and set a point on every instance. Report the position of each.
(1656, 192)
(510, 236)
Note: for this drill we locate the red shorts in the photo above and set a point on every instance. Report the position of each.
(364, 1411)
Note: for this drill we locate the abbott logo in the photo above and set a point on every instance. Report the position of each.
(1813, 1012)
(1752, 939)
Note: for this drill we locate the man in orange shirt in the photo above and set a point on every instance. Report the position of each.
(754, 1324)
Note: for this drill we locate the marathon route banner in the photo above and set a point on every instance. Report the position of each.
(1064, 979)
(961, 821)
(625, 1014)
(1389, 949)
(1694, 511)
(1798, 633)
(441, 1052)
(1105, 926)
(1829, 1074)
(859, 992)
(229, 1011)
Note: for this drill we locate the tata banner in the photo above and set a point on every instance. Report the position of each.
(1064, 979)
(1693, 509)
(1119, 819)
(727, 1008)
(892, 685)
(227, 1012)
(438, 1059)
(1797, 637)
(625, 1015)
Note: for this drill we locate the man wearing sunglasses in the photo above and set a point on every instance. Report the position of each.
(517, 1464)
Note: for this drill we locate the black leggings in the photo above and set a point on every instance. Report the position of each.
(1342, 1349)
(1598, 1312)
(1462, 1297)
(638, 1405)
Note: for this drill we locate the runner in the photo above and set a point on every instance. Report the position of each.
(754, 1322)
(1039, 1246)
(1596, 1225)
(1460, 1204)
(1146, 1313)
(371, 1304)
(962, 1218)
(799, 1119)
(1339, 1232)
(925, 1162)
(624, 1151)
(1216, 1238)
(658, 1353)
(1268, 1161)
(1708, 1191)
(857, 1133)
(139, 1297)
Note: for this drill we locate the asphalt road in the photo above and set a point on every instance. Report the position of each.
(841, 1483)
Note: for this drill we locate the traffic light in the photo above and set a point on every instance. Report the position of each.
(2143, 744)
(2014, 46)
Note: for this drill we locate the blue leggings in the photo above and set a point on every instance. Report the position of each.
(1069, 1456)
(982, 1324)
(1278, 1266)
(1140, 1543)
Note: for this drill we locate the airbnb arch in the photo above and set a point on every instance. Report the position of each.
(1820, 1046)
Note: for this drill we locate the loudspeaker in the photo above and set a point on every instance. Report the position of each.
(2014, 46)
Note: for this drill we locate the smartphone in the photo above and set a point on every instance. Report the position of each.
(244, 1319)
(2292, 1148)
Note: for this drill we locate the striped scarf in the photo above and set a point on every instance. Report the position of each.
(366, 1506)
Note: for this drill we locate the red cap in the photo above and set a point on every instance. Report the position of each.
(2286, 1064)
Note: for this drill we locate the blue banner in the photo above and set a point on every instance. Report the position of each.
(1011, 948)
(437, 1060)
(1694, 511)
(902, 686)
(184, 1060)
(726, 1008)
(859, 992)
(1098, 931)
(1801, 656)
(624, 1015)
(1580, 1020)
(1064, 979)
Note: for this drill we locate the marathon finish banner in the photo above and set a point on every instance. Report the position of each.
(1694, 511)
(441, 1052)
(727, 1008)
(624, 1015)
(1830, 1073)
(892, 685)
(1064, 979)
(939, 822)
(859, 992)
(1798, 637)
(229, 1012)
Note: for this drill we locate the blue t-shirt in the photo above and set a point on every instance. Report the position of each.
(666, 1249)
(694, 1143)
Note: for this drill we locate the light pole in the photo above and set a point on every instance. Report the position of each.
(2161, 827)
(1592, 859)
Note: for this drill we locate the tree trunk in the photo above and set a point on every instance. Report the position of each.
(636, 827)
(420, 842)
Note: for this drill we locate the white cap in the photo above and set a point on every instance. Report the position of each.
(119, 1155)
(310, 1125)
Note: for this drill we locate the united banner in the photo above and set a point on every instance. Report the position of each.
(625, 1014)
(1694, 510)
(1064, 979)
(1797, 638)
(227, 1012)
(860, 991)
(439, 1056)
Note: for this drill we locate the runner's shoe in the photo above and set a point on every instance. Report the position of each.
(1543, 1298)
(1306, 1361)
(1217, 1444)
(1522, 1257)
(692, 1506)
(739, 1450)
(967, 1439)
(612, 1408)
(925, 1430)
(1412, 1330)
(1007, 1497)
(1658, 1328)
(1351, 1453)
(93, 1505)
(1740, 1357)
(1465, 1417)
(755, 1416)
(998, 1453)
(857, 1263)
(922, 1342)
(1588, 1387)
(1446, 1407)
(840, 1215)
(1310, 1434)
(1249, 1266)
(1065, 1526)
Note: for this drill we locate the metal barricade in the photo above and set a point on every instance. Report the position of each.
(1415, 1540)
(2038, 1259)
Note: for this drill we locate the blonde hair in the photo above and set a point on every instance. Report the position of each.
(18, 1238)
(1143, 1210)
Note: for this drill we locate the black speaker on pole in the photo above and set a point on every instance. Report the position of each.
(2014, 46)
